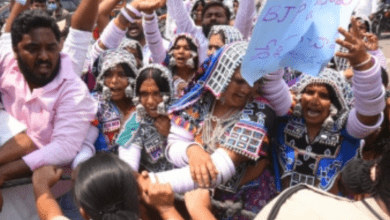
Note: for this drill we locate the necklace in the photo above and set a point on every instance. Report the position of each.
(210, 134)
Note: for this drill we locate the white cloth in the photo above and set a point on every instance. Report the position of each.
(9, 127)
(19, 203)
(366, 7)
(87, 148)
(147, 54)
(76, 46)
(314, 203)
(60, 218)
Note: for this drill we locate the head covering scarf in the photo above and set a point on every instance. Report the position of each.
(215, 74)
(168, 59)
(110, 59)
(133, 44)
(231, 33)
(340, 87)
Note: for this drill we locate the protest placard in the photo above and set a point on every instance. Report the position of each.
(299, 34)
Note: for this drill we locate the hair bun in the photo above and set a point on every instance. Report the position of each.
(356, 176)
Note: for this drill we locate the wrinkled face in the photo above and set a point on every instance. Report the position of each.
(235, 7)
(150, 97)
(136, 55)
(215, 43)
(38, 6)
(238, 91)
(316, 104)
(136, 30)
(198, 13)
(116, 79)
(38, 55)
(213, 16)
(181, 52)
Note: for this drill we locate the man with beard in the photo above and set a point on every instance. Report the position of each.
(40, 88)
(214, 13)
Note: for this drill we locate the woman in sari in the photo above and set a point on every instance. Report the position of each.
(219, 135)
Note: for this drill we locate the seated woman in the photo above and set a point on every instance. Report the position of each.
(219, 134)
(105, 188)
(146, 148)
(323, 134)
(305, 202)
(114, 93)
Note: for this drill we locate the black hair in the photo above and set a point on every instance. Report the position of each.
(368, 26)
(106, 188)
(39, 1)
(32, 19)
(196, 5)
(192, 46)
(356, 176)
(157, 76)
(126, 68)
(217, 4)
(385, 77)
(332, 94)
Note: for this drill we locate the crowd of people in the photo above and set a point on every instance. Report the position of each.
(145, 106)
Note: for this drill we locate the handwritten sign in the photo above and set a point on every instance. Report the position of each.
(299, 34)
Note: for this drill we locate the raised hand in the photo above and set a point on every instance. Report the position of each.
(148, 6)
(357, 53)
(372, 42)
(201, 166)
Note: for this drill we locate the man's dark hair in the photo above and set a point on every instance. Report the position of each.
(217, 4)
(39, 1)
(29, 20)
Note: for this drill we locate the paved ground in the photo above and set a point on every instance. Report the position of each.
(384, 44)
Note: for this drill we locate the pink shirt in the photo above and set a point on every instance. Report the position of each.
(57, 115)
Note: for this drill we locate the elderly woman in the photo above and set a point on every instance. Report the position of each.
(323, 134)
(219, 133)
(114, 93)
(146, 148)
